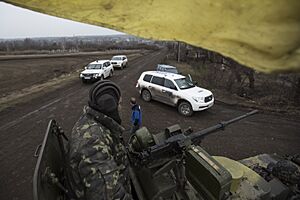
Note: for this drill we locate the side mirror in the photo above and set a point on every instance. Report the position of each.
(195, 82)
(85, 67)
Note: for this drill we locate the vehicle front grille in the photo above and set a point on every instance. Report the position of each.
(88, 75)
(114, 63)
(209, 98)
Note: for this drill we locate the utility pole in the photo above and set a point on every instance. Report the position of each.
(178, 52)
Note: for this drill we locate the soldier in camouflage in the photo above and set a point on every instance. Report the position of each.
(97, 158)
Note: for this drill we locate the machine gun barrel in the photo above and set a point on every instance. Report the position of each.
(175, 144)
(197, 136)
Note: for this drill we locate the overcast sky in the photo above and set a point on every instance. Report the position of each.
(17, 22)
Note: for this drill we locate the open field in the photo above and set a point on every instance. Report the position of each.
(23, 78)
(25, 71)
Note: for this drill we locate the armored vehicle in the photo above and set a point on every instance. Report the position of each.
(172, 165)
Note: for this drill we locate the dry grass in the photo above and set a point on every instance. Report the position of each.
(33, 91)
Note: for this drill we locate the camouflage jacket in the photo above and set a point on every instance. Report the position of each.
(97, 158)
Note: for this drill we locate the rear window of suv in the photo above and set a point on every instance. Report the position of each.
(147, 78)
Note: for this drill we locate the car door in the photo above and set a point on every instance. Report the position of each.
(110, 67)
(124, 60)
(168, 92)
(155, 87)
(106, 70)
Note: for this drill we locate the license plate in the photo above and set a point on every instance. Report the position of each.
(87, 77)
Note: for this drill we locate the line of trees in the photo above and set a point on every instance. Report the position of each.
(220, 72)
(71, 44)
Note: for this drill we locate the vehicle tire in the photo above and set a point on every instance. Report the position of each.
(146, 95)
(122, 66)
(185, 109)
(111, 73)
(101, 78)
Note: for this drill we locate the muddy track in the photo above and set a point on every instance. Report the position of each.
(23, 126)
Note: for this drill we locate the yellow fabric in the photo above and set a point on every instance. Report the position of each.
(262, 34)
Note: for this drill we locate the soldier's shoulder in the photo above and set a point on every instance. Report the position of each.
(85, 129)
(86, 123)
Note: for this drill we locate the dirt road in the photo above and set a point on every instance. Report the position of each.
(23, 126)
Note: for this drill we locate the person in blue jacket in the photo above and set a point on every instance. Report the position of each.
(136, 116)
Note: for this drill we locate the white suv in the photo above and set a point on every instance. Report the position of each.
(175, 90)
(97, 70)
(119, 61)
(166, 68)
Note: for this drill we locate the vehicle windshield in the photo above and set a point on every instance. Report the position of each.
(94, 66)
(117, 58)
(184, 83)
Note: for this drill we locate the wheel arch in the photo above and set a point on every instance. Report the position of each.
(191, 107)
(141, 94)
(182, 100)
(142, 89)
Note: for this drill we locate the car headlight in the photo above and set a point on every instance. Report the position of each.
(97, 75)
(198, 99)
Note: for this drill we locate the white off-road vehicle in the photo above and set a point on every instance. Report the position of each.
(167, 68)
(176, 90)
(119, 61)
(97, 70)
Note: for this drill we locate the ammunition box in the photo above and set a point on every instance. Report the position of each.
(206, 175)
